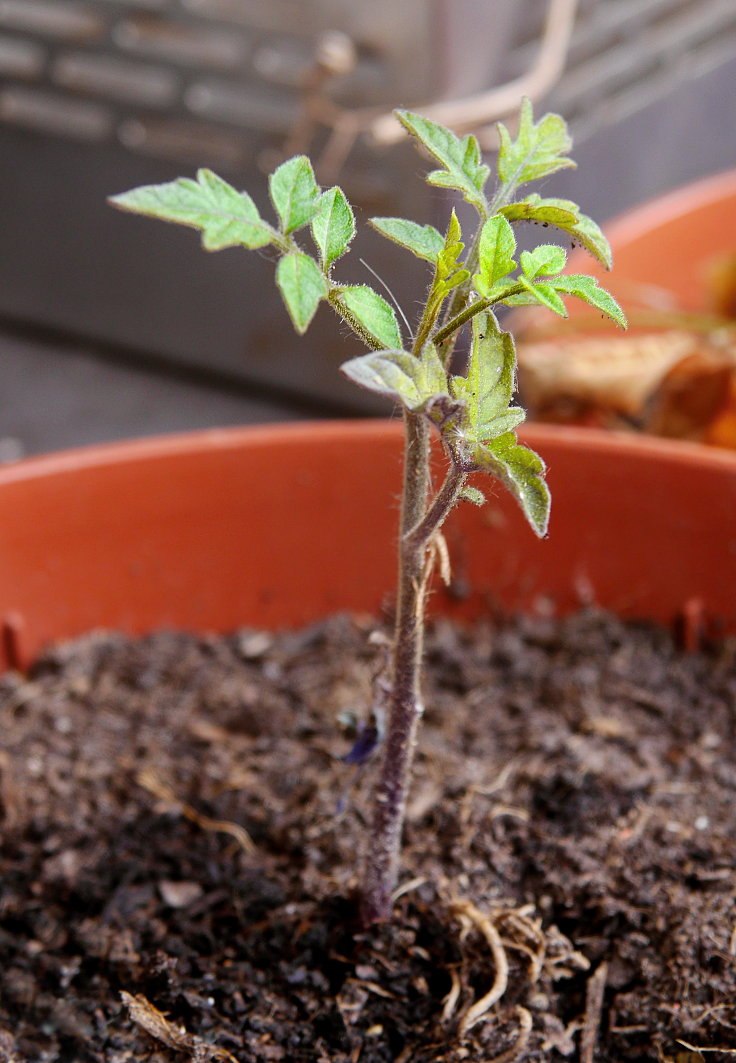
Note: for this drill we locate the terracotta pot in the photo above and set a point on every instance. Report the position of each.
(668, 252)
(677, 242)
(276, 526)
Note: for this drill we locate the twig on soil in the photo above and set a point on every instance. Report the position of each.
(469, 915)
(151, 782)
(594, 991)
(700, 1048)
(501, 780)
(499, 810)
(372, 987)
(713, 1009)
(407, 887)
(155, 1023)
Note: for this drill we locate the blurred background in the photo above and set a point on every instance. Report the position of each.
(114, 326)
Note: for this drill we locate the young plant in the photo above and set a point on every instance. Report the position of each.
(472, 412)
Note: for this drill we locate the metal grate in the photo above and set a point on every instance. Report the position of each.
(215, 80)
(627, 54)
(222, 81)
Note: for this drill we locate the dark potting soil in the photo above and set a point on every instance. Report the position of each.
(570, 847)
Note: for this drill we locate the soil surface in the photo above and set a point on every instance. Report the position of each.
(181, 837)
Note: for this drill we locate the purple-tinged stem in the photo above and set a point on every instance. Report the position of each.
(418, 525)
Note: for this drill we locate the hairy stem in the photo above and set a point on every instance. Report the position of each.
(421, 534)
(418, 525)
(461, 319)
(382, 855)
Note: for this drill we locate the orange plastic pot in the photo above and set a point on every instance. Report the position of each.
(277, 526)
(673, 251)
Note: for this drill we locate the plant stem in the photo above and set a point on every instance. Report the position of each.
(471, 310)
(457, 322)
(382, 855)
(421, 534)
(418, 526)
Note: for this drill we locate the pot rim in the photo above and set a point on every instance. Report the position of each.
(262, 436)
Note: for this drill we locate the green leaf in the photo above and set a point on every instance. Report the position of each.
(302, 285)
(401, 376)
(333, 226)
(487, 387)
(542, 211)
(423, 240)
(472, 494)
(225, 217)
(454, 234)
(590, 235)
(369, 312)
(522, 472)
(543, 261)
(588, 289)
(544, 292)
(538, 150)
(518, 299)
(496, 249)
(453, 280)
(564, 215)
(449, 272)
(461, 157)
(295, 193)
(452, 180)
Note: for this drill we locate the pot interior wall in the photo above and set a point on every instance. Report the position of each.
(273, 527)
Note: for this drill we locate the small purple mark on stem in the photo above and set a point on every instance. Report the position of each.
(365, 745)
